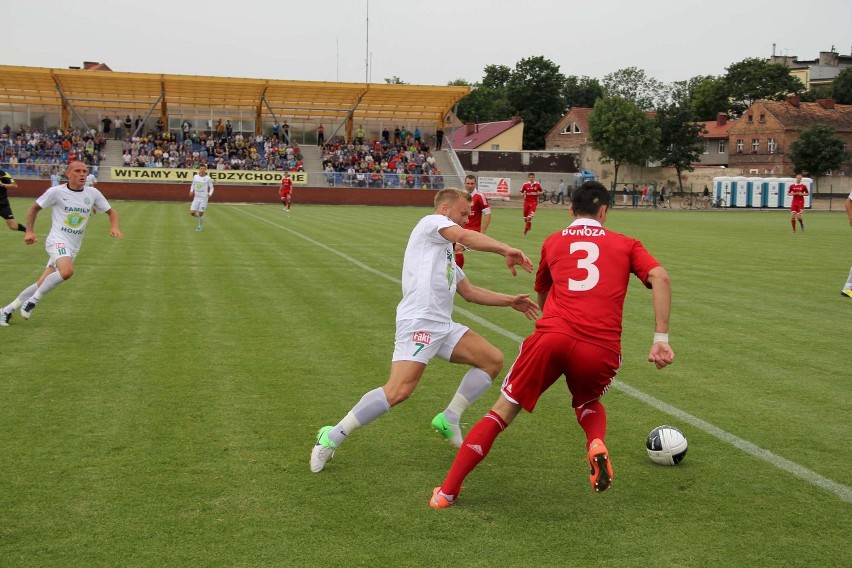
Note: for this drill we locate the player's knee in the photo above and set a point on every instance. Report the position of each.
(397, 394)
(493, 363)
(66, 272)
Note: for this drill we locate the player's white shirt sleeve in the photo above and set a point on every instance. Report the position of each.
(429, 273)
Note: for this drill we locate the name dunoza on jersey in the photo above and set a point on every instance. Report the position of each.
(70, 215)
(429, 273)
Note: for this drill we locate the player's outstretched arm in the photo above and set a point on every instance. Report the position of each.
(114, 231)
(519, 302)
(477, 241)
(661, 353)
(32, 213)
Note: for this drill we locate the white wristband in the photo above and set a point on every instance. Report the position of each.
(658, 337)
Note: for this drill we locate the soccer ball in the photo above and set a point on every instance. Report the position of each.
(666, 445)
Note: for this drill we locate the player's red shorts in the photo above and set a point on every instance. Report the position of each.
(529, 207)
(544, 357)
(285, 197)
(797, 206)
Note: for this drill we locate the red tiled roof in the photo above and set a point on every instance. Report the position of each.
(484, 132)
(808, 114)
(715, 130)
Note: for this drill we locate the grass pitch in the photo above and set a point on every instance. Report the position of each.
(159, 408)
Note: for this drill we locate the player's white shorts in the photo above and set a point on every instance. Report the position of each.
(199, 204)
(420, 340)
(58, 249)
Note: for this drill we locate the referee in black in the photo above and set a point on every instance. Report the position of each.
(6, 182)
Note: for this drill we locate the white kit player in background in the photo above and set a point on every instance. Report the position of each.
(73, 203)
(200, 191)
(91, 180)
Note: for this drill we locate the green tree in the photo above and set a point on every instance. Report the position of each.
(816, 93)
(534, 90)
(753, 78)
(842, 87)
(622, 133)
(487, 102)
(394, 81)
(818, 151)
(581, 92)
(459, 83)
(708, 96)
(632, 84)
(681, 142)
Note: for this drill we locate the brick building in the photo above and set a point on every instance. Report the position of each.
(759, 140)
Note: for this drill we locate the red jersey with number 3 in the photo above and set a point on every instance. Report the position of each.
(585, 270)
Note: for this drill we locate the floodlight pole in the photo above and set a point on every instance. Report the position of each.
(367, 58)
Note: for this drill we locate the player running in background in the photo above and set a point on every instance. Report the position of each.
(530, 190)
(8, 182)
(424, 326)
(798, 190)
(201, 190)
(480, 215)
(73, 203)
(286, 191)
(847, 289)
(581, 282)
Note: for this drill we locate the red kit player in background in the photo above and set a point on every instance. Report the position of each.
(480, 215)
(581, 282)
(286, 191)
(530, 190)
(798, 190)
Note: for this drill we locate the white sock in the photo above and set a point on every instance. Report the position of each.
(49, 284)
(372, 405)
(25, 295)
(848, 282)
(473, 385)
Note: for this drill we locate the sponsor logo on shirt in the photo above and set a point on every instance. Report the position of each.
(422, 337)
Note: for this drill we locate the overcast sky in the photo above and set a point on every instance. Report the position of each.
(428, 43)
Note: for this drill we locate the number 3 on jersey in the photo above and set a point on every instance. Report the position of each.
(587, 264)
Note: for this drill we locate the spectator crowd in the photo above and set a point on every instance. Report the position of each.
(33, 152)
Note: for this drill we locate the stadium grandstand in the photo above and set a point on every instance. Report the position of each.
(136, 120)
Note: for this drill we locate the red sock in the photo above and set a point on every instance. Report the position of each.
(527, 226)
(793, 222)
(460, 260)
(475, 447)
(592, 419)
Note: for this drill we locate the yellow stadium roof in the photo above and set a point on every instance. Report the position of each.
(303, 99)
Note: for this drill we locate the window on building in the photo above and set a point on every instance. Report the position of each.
(750, 119)
(706, 146)
(755, 145)
(762, 118)
(577, 129)
(771, 146)
(740, 146)
(567, 129)
(723, 146)
(495, 146)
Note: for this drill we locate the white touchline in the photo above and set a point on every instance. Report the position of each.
(803, 473)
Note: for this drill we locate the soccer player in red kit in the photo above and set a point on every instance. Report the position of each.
(286, 191)
(530, 190)
(581, 282)
(798, 190)
(480, 215)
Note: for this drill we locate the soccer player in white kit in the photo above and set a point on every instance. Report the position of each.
(200, 190)
(424, 327)
(73, 203)
(847, 288)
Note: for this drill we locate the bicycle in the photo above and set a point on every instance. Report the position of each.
(691, 202)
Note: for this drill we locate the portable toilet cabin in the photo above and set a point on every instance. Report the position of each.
(784, 186)
(810, 184)
(772, 193)
(722, 187)
(755, 188)
(737, 196)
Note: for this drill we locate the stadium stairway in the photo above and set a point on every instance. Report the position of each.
(114, 151)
